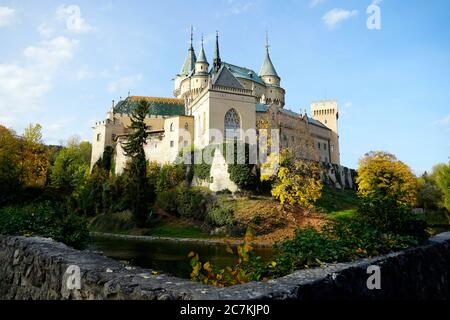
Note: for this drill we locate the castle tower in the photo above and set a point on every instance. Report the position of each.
(274, 93)
(188, 65)
(201, 65)
(327, 113)
(268, 73)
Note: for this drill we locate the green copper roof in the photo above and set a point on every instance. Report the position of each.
(158, 106)
(189, 62)
(244, 73)
(202, 56)
(267, 69)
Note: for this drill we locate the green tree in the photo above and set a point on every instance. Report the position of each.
(70, 168)
(441, 174)
(137, 165)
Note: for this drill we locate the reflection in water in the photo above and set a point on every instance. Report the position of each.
(167, 256)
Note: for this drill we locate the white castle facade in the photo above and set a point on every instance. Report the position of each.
(221, 101)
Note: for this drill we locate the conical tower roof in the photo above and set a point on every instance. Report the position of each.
(189, 61)
(267, 69)
(202, 55)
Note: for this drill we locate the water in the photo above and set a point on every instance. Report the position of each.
(166, 256)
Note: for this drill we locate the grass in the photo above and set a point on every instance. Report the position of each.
(337, 204)
(178, 228)
(342, 215)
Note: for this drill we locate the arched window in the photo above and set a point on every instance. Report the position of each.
(171, 126)
(186, 126)
(232, 125)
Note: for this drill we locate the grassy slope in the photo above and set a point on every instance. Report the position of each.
(338, 204)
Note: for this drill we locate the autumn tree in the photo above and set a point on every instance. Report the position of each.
(388, 190)
(10, 171)
(34, 156)
(296, 181)
(137, 165)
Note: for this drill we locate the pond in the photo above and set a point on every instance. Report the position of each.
(167, 256)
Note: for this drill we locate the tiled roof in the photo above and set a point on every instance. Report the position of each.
(158, 106)
(244, 73)
(310, 120)
(226, 79)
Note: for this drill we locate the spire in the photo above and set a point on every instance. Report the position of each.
(202, 56)
(189, 61)
(267, 69)
(217, 61)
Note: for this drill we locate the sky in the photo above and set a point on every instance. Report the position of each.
(61, 64)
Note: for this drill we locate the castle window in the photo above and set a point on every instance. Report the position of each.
(186, 126)
(172, 144)
(232, 125)
(325, 146)
(171, 126)
(113, 137)
(98, 136)
(318, 145)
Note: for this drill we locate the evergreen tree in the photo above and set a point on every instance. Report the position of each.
(137, 166)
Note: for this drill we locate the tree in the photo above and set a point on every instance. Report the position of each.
(388, 190)
(382, 177)
(35, 156)
(137, 165)
(441, 174)
(296, 181)
(10, 171)
(69, 169)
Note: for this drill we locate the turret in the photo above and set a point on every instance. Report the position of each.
(201, 65)
(268, 73)
(187, 68)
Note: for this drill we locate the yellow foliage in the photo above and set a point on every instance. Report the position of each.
(381, 176)
(297, 181)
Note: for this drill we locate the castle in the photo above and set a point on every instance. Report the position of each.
(221, 98)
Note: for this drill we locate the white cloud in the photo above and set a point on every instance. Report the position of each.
(237, 7)
(7, 16)
(315, 3)
(74, 21)
(84, 73)
(443, 121)
(336, 16)
(124, 84)
(24, 83)
(45, 30)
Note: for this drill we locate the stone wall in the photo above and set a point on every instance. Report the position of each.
(37, 268)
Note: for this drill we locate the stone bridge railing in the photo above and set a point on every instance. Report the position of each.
(39, 268)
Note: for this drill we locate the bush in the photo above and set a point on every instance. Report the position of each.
(220, 217)
(341, 242)
(44, 219)
(170, 176)
(194, 203)
(168, 200)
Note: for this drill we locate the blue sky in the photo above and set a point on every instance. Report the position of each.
(62, 69)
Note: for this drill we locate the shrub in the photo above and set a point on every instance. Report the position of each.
(168, 200)
(170, 176)
(194, 203)
(45, 219)
(219, 217)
